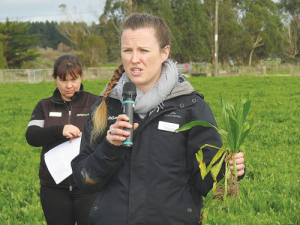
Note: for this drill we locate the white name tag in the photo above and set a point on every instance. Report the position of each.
(55, 114)
(167, 126)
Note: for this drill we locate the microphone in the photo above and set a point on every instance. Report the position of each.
(129, 94)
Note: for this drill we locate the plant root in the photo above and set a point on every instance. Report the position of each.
(233, 188)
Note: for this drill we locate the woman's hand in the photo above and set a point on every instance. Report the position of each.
(116, 134)
(239, 160)
(70, 131)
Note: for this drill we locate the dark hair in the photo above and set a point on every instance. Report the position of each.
(67, 64)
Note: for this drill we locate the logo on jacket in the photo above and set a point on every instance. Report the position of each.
(82, 115)
(173, 114)
(112, 118)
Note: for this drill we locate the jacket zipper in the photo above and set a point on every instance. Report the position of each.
(69, 122)
(70, 112)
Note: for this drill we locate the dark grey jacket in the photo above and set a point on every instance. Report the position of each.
(158, 181)
(47, 131)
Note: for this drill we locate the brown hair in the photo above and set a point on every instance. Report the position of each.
(138, 21)
(134, 22)
(67, 64)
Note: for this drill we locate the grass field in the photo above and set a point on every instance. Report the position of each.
(270, 192)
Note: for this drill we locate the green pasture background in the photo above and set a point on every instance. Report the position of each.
(270, 192)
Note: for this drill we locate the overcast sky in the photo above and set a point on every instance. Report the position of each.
(42, 10)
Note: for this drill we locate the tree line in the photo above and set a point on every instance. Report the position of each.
(248, 30)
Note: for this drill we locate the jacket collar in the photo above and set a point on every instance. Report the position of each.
(183, 87)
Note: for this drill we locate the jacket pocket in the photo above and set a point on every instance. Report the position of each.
(95, 211)
(192, 210)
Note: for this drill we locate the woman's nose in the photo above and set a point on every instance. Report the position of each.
(135, 57)
(69, 84)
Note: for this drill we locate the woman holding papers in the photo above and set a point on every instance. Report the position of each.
(56, 120)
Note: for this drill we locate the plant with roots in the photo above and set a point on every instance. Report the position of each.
(237, 124)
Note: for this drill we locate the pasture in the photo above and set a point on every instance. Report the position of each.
(269, 193)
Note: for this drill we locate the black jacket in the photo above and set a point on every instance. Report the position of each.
(157, 181)
(47, 122)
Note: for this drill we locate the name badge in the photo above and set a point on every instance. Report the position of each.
(55, 114)
(166, 126)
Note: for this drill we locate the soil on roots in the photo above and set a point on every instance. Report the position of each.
(233, 188)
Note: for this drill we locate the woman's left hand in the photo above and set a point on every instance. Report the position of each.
(239, 160)
(71, 132)
(116, 133)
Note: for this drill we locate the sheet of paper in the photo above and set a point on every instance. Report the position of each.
(58, 159)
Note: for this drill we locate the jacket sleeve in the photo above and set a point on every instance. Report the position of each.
(95, 165)
(197, 137)
(37, 135)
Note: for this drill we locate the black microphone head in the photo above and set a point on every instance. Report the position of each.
(129, 90)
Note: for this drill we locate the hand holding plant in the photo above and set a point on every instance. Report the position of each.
(239, 160)
(238, 123)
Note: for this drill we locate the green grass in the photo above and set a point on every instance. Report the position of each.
(270, 192)
(19, 162)
(115, 65)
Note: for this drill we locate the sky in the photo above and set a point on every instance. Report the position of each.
(42, 10)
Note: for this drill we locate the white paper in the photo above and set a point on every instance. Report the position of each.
(58, 159)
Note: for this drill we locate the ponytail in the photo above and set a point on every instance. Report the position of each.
(99, 116)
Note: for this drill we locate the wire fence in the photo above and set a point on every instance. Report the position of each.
(206, 69)
(193, 69)
(26, 75)
(45, 75)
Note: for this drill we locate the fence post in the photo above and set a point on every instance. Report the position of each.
(44, 77)
(264, 70)
(242, 70)
(208, 71)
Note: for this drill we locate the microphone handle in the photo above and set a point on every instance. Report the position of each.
(129, 111)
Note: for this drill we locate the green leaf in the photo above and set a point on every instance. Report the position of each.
(242, 138)
(199, 156)
(227, 174)
(216, 168)
(246, 109)
(234, 165)
(224, 134)
(193, 124)
(233, 130)
(202, 165)
(217, 156)
(214, 189)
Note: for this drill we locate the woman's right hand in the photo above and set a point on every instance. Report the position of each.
(70, 131)
(116, 134)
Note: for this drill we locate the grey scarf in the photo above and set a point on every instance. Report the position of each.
(152, 100)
